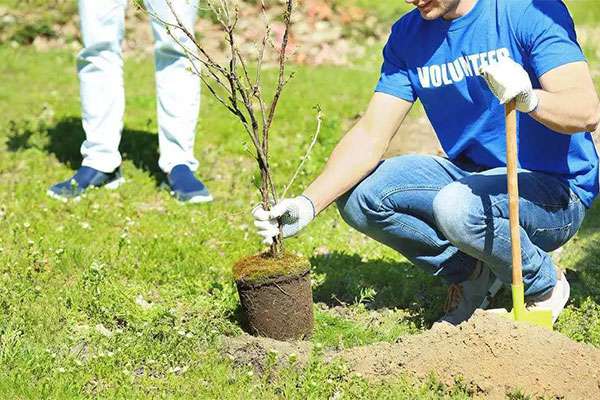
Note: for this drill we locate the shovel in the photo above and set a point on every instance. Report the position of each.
(519, 312)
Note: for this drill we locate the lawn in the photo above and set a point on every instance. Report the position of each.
(127, 294)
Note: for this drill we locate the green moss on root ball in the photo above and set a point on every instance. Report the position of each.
(262, 268)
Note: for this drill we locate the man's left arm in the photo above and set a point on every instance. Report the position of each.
(567, 101)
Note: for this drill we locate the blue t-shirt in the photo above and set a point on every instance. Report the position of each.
(438, 61)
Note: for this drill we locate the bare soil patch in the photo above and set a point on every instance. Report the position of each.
(257, 351)
(492, 355)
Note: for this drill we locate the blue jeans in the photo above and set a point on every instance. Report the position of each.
(100, 71)
(443, 216)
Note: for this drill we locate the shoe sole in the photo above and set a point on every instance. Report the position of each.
(112, 185)
(193, 200)
(196, 199)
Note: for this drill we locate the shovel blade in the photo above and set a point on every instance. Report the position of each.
(541, 318)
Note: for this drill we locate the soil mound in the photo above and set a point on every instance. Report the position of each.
(490, 354)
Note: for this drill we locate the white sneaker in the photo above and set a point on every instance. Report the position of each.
(555, 300)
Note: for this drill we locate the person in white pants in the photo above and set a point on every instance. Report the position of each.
(100, 70)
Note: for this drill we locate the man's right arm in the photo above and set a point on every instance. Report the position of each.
(359, 151)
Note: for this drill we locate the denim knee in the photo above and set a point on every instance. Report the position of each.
(458, 214)
(356, 205)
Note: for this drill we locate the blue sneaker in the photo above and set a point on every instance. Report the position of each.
(84, 178)
(185, 187)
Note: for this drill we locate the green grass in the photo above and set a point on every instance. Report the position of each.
(127, 293)
(109, 296)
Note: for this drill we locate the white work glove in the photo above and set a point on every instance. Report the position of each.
(294, 213)
(508, 80)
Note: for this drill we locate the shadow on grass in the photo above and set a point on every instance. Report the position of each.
(64, 139)
(239, 318)
(379, 284)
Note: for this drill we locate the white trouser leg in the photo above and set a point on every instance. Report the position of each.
(100, 70)
(178, 89)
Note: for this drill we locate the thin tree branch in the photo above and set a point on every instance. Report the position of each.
(307, 154)
(243, 97)
(209, 63)
(282, 61)
(180, 25)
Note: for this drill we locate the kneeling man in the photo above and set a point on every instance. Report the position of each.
(450, 215)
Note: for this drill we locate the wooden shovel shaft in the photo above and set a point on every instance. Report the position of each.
(519, 313)
(513, 191)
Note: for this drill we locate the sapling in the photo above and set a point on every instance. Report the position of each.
(274, 287)
(237, 83)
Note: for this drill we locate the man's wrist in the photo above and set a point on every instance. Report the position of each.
(528, 102)
(536, 99)
(311, 202)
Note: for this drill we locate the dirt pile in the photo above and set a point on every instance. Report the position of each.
(493, 355)
(490, 354)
